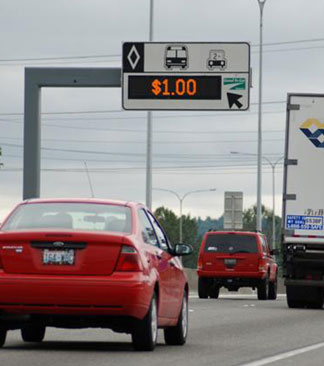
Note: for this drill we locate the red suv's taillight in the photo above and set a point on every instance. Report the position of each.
(129, 260)
(262, 265)
(200, 264)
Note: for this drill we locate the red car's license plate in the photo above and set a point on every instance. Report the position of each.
(59, 257)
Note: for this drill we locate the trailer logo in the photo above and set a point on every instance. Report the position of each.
(313, 129)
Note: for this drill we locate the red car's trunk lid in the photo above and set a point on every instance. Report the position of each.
(61, 253)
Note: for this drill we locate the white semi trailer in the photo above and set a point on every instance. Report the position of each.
(303, 201)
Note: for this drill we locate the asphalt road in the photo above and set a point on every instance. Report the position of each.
(233, 330)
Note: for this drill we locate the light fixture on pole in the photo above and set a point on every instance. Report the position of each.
(181, 198)
(259, 179)
(273, 167)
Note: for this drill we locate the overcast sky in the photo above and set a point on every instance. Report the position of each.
(191, 149)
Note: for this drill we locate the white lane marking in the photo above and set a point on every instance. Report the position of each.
(283, 356)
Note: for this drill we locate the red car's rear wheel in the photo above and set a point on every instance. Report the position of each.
(3, 336)
(178, 335)
(145, 334)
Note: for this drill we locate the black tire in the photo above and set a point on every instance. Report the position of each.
(177, 336)
(263, 289)
(299, 297)
(144, 336)
(214, 292)
(317, 300)
(273, 288)
(3, 336)
(294, 300)
(33, 333)
(203, 286)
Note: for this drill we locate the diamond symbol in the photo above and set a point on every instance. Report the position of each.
(133, 57)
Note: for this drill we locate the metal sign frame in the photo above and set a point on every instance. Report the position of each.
(37, 78)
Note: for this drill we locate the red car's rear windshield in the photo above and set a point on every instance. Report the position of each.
(231, 243)
(70, 215)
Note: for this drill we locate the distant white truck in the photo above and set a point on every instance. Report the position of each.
(303, 201)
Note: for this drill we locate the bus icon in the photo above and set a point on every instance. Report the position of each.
(216, 60)
(176, 57)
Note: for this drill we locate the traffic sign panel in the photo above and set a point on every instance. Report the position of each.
(186, 76)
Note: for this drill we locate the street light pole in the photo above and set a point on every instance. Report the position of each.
(259, 179)
(181, 203)
(180, 221)
(1, 164)
(149, 137)
(273, 167)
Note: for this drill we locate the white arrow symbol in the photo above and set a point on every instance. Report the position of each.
(133, 52)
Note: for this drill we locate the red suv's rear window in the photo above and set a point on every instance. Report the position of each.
(231, 243)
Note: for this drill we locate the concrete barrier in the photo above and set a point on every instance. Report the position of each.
(193, 284)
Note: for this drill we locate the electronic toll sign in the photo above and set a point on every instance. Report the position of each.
(186, 76)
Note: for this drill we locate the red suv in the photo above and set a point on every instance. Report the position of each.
(234, 260)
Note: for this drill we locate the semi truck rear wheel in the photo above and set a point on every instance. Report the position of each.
(305, 297)
(316, 301)
(293, 300)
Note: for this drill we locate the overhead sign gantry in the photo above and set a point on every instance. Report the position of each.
(186, 76)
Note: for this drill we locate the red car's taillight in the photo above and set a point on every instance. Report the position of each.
(129, 260)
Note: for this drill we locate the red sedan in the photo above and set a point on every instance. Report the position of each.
(77, 263)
